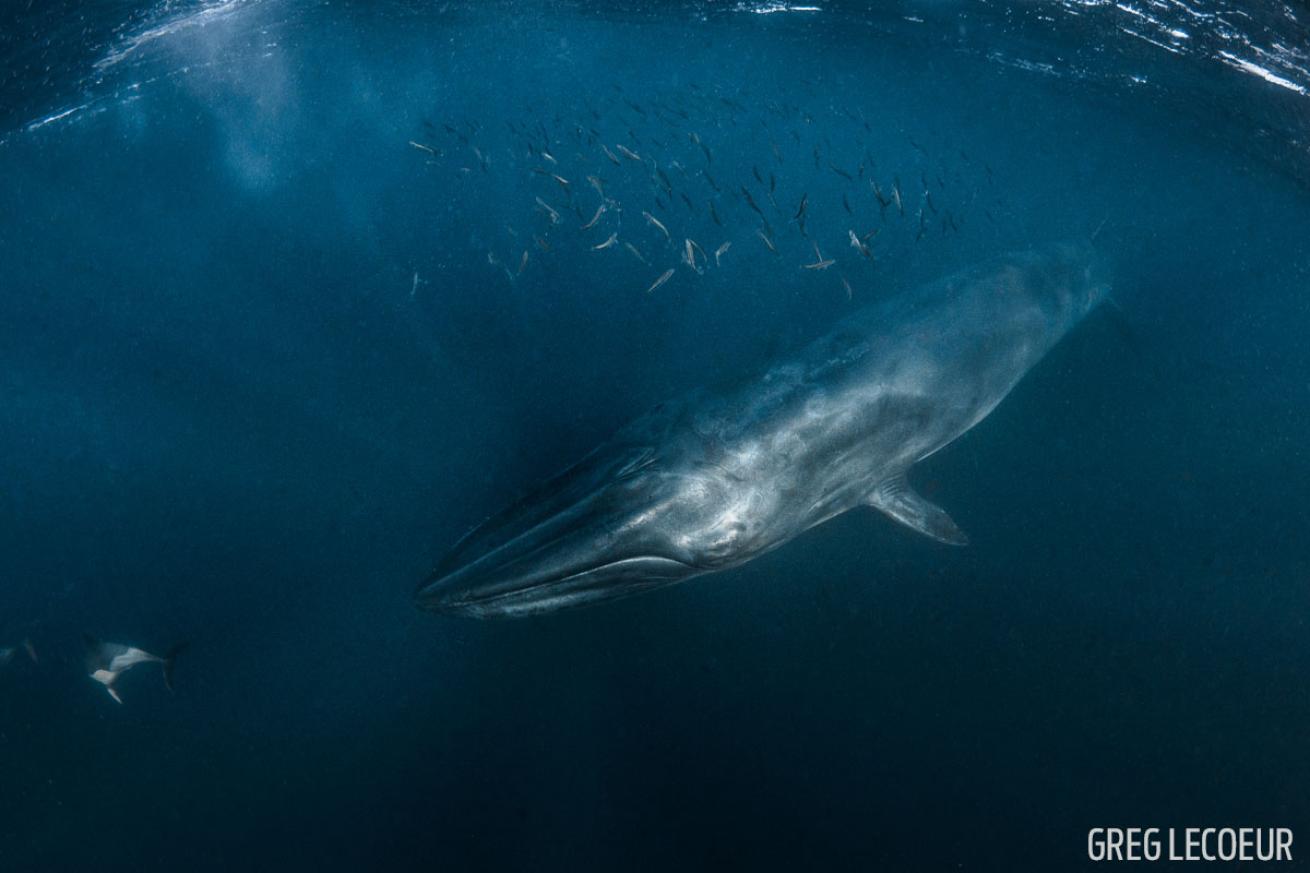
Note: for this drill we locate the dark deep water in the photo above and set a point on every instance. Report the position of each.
(263, 361)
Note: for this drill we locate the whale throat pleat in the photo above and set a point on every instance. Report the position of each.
(896, 498)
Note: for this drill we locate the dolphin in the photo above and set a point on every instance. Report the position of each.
(105, 662)
(7, 652)
(711, 481)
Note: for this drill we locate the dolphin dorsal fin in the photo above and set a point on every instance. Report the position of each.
(896, 498)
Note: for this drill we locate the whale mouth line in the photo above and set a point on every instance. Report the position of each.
(500, 597)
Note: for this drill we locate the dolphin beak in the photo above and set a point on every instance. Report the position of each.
(574, 541)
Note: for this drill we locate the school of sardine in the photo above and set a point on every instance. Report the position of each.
(652, 161)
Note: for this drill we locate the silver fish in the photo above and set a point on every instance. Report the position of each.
(650, 219)
(664, 277)
(600, 210)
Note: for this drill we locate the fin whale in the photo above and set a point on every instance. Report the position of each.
(711, 481)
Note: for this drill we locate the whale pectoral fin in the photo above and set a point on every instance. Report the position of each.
(897, 499)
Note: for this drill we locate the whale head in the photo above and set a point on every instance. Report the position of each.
(613, 525)
(1067, 280)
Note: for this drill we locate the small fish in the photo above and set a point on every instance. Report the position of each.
(840, 172)
(685, 199)
(609, 154)
(549, 210)
(523, 263)
(636, 254)
(883, 202)
(800, 211)
(857, 245)
(541, 243)
(847, 286)
(548, 156)
(600, 210)
(664, 277)
(756, 171)
(564, 183)
(413, 288)
(689, 255)
(650, 219)
(595, 182)
(613, 238)
(821, 263)
(426, 148)
(896, 195)
(847, 203)
(768, 242)
(720, 252)
(714, 213)
(710, 179)
(628, 153)
(750, 201)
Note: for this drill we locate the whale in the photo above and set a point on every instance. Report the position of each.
(714, 479)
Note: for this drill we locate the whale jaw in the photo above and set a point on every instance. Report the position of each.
(599, 531)
(458, 594)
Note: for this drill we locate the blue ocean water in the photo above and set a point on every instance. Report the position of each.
(283, 313)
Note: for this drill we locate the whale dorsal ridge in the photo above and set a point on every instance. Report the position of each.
(896, 498)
